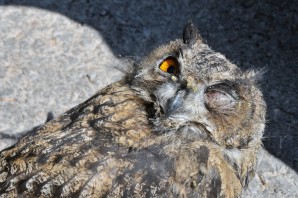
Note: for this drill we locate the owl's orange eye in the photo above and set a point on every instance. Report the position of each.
(169, 65)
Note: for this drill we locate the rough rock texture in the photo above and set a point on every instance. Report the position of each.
(56, 54)
(48, 64)
(272, 179)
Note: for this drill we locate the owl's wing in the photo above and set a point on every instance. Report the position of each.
(105, 147)
(84, 152)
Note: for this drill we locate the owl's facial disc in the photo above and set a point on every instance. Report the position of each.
(188, 102)
(183, 107)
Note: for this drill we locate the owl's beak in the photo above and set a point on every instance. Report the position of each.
(175, 103)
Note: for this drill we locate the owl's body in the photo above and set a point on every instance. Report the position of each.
(184, 122)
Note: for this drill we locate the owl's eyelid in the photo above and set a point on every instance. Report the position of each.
(226, 83)
(225, 87)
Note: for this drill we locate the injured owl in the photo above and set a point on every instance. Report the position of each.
(183, 122)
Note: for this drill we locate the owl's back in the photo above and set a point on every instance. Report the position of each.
(79, 153)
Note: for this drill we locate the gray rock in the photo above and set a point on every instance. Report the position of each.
(272, 179)
(48, 61)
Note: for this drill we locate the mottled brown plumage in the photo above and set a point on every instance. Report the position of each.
(184, 122)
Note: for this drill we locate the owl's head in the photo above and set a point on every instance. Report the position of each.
(198, 92)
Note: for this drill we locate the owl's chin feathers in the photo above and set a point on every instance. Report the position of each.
(177, 125)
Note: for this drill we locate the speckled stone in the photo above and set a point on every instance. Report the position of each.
(49, 64)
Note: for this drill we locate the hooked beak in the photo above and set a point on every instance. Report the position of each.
(175, 103)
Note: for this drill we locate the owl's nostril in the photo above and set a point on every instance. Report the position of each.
(183, 84)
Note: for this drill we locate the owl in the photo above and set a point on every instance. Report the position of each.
(183, 122)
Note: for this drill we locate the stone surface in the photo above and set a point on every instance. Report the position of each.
(55, 54)
(273, 179)
(48, 64)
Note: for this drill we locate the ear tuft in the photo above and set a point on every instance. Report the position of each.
(191, 34)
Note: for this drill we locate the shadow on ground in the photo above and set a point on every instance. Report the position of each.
(249, 32)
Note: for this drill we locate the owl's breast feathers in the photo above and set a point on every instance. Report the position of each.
(105, 147)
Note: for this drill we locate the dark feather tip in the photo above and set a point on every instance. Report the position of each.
(191, 34)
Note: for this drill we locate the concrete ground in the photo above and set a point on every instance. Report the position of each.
(56, 54)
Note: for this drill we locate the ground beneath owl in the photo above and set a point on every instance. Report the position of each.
(56, 57)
